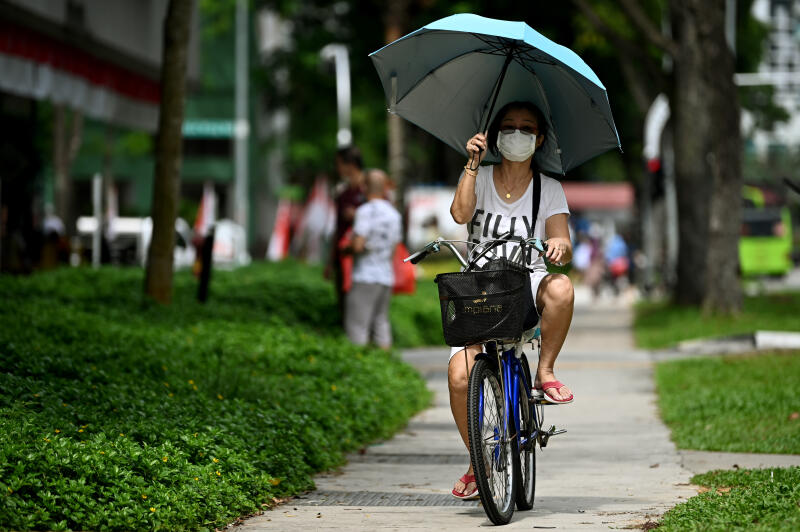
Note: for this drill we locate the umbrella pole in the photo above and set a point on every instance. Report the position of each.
(509, 57)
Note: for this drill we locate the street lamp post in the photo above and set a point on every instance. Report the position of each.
(338, 54)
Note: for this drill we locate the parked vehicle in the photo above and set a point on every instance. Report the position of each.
(765, 244)
(128, 239)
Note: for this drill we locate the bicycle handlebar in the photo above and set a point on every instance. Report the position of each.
(417, 257)
(435, 246)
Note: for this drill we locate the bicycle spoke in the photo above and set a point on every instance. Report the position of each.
(495, 442)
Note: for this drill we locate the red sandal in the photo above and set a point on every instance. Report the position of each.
(549, 398)
(464, 495)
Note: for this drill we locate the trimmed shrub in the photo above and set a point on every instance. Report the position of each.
(120, 414)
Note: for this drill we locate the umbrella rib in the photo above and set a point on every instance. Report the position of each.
(498, 45)
(522, 55)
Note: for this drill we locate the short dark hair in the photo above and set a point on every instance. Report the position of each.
(494, 127)
(351, 155)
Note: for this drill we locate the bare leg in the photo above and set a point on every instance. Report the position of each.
(555, 301)
(457, 380)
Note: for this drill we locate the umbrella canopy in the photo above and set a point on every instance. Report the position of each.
(450, 76)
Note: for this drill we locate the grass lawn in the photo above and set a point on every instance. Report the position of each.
(662, 324)
(119, 414)
(733, 404)
(763, 499)
(736, 404)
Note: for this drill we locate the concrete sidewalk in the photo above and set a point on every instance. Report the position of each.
(616, 466)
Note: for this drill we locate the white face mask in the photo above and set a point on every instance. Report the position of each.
(516, 146)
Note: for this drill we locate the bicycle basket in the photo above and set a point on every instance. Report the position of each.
(489, 304)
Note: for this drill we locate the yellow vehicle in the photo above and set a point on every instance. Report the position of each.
(765, 244)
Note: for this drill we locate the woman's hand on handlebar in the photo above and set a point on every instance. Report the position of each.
(476, 147)
(558, 250)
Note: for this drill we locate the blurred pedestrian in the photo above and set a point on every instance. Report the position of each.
(349, 196)
(582, 256)
(377, 229)
(617, 262)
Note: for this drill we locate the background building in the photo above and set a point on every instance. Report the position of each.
(780, 67)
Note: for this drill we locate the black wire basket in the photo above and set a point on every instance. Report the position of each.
(493, 303)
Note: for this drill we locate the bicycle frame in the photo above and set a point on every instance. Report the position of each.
(512, 381)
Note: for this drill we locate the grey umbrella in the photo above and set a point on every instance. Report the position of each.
(450, 76)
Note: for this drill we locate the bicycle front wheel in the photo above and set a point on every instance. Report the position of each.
(490, 442)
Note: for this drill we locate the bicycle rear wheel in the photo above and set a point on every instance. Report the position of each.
(490, 442)
(525, 453)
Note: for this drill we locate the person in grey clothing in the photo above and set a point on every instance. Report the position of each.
(377, 229)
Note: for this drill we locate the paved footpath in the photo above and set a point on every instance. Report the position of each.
(615, 467)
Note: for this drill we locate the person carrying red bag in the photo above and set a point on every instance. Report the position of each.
(377, 229)
(349, 196)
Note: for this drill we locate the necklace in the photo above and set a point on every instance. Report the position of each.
(508, 191)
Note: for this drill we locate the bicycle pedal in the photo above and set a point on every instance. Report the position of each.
(544, 435)
(540, 400)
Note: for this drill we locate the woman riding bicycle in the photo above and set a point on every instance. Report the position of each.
(492, 201)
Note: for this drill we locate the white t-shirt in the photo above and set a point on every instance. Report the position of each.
(493, 216)
(381, 226)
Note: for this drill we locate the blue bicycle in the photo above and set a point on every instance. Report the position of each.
(505, 418)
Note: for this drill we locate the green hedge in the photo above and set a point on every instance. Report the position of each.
(416, 319)
(117, 414)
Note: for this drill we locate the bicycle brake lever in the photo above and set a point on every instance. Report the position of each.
(537, 244)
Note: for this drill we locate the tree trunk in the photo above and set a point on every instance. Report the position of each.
(707, 143)
(707, 157)
(158, 276)
(67, 139)
(723, 293)
(691, 133)
(396, 18)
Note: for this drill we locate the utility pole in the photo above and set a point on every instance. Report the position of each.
(241, 128)
(656, 147)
